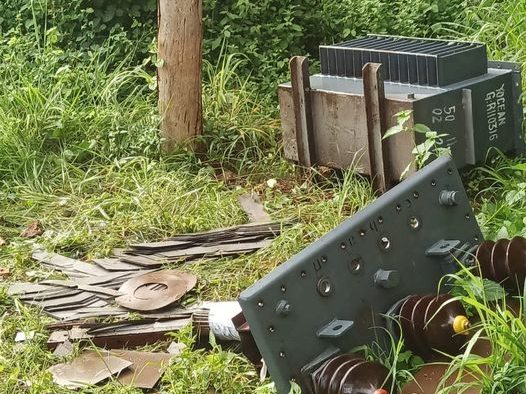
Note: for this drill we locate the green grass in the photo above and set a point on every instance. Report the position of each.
(90, 200)
(79, 152)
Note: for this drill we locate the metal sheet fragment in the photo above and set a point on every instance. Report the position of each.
(146, 368)
(90, 368)
(253, 207)
(116, 265)
(64, 349)
(138, 296)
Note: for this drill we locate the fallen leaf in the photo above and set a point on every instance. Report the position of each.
(4, 272)
(2, 242)
(34, 229)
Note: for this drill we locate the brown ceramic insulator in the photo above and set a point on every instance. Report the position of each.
(427, 325)
(323, 378)
(439, 332)
(498, 260)
(412, 320)
(339, 374)
(516, 261)
(406, 323)
(504, 262)
(483, 256)
(349, 374)
(418, 319)
(364, 378)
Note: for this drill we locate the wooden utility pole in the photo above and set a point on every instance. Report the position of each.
(180, 40)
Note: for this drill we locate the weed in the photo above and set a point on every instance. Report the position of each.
(424, 152)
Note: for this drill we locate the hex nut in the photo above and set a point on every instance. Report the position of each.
(386, 278)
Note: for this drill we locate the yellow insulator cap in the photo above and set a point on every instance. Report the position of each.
(461, 325)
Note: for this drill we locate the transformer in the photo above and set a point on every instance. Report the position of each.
(449, 86)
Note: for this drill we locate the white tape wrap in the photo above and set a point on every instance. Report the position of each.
(220, 319)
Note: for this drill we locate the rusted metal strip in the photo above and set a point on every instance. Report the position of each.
(373, 86)
(299, 71)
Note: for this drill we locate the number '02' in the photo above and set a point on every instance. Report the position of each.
(446, 114)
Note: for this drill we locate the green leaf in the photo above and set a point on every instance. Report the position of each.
(519, 167)
(403, 116)
(392, 131)
(422, 128)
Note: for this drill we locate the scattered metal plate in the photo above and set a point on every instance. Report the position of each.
(138, 294)
(146, 368)
(255, 211)
(90, 368)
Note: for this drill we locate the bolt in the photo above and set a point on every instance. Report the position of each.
(283, 308)
(448, 198)
(386, 279)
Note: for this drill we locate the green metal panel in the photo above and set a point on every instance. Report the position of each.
(444, 113)
(331, 296)
(493, 118)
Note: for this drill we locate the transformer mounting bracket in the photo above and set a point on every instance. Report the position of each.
(333, 295)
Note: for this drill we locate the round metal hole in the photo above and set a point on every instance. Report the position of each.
(303, 274)
(416, 194)
(283, 289)
(380, 219)
(272, 329)
(467, 216)
(414, 223)
(343, 245)
(356, 266)
(449, 171)
(260, 304)
(324, 287)
(385, 243)
(433, 183)
(323, 259)
(282, 354)
(476, 238)
(398, 207)
(362, 232)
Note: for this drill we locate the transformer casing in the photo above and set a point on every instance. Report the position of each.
(449, 86)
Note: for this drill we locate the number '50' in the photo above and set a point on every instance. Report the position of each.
(446, 114)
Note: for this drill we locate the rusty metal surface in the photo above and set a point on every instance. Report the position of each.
(112, 264)
(374, 95)
(63, 349)
(300, 81)
(91, 367)
(146, 368)
(137, 295)
(340, 131)
(120, 335)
